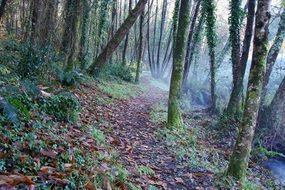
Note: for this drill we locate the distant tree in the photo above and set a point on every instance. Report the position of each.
(179, 51)
(124, 61)
(140, 49)
(240, 157)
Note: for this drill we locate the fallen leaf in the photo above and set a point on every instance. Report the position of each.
(51, 154)
(47, 170)
(89, 185)
(179, 180)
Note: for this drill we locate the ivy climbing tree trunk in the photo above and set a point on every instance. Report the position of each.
(240, 157)
(112, 45)
(208, 8)
(179, 51)
(234, 106)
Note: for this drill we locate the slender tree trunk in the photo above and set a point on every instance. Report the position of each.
(240, 157)
(153, 42)
(179, 51)
(234, 106)
(34, 19)
(235, 103)
(118, 37)
(124, 62)
(163, 17)
(140, 53)
(208, 7)
(273, 54)
(190, 45)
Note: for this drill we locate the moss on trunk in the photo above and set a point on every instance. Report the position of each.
(179, 51)
(240, 157)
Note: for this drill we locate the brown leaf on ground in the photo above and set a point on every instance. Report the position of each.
(89, 185)
(47, 170)
(50, 153)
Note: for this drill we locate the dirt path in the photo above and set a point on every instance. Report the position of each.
(133, 134)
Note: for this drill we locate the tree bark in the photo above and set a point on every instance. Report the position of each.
(240, 157)
(235, 104)
(235, 98)
(163, 16)
(124, 61)
(140, 53)
(2, 8)
(208, 8)
(70, 36)
(187, 63)
(179, 51)
(112, 45)
(273, 54)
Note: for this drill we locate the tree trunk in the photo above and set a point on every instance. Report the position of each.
(34, 19)
(240, 157)
(124, 61)
(273, 54)
(118, 37)
(70, 35)
(2, 8)
(179, 51)
(163, 17)
(208, 8)
(83, 49)
(140, 53)
(276, 117)
(187, 63)
(234, 105)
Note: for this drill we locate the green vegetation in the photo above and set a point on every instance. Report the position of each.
(64, 107)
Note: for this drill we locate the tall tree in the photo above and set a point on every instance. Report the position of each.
(234, 20)
(179, 51)
(140, 49)
(240, 157)
(112, 45)
(72, 8)
(273, 54)
(124, 61)
(209, 8)
(162, 24)
(239, 62)
(190, 47)
(83, 48)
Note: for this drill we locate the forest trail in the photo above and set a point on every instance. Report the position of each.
(132, 133)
